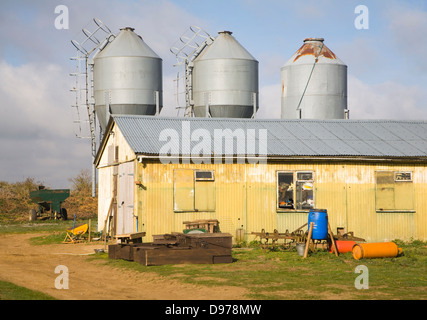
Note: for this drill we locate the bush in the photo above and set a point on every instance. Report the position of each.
(15, 202)
(81, 201)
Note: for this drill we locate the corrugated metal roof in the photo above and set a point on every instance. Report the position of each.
(332, 138)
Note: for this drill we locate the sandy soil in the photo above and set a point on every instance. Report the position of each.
(33, 267)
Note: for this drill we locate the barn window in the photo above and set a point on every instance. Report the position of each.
(295, 190)
(204, 175)
(394, 191)
(194, 190)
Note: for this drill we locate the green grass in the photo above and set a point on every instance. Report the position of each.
(37, 226)
(275, 274)
(9, 291)
(54, 231)
(285, 275)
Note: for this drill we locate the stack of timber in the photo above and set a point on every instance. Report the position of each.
(176, 248)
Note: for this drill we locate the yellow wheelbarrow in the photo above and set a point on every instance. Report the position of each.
(75, 234)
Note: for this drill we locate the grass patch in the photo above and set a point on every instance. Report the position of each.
(37, 226)
(273, 275)
(51, 238)
(54, 230)
(10, 291)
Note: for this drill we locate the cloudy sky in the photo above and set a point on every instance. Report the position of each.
(387, 69)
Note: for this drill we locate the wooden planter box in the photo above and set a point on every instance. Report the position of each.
(177, 248)
(157, 256)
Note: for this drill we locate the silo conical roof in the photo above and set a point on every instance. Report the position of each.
(225, 46)
(310, 50)
(127, 44)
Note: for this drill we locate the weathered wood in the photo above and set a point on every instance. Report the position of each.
(210, 225)
(177, 248)
(122, 251)
(206, 240)
(131, 237)
(332, 240)
(156, 256)
(90, 230)
(310, 232)
(107, 222)
(112, 251)
(210, 240)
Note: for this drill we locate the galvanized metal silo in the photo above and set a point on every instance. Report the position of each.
(225, 80)
(314, 83)
(127, 77)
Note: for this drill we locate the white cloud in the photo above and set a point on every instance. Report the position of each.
(389, 100)
(35, 97)
(408, 27)
(36, 134)
(37, 137)
(362, 55)
(270, 102)
(36, 130)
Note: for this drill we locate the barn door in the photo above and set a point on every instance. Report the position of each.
(125, 200)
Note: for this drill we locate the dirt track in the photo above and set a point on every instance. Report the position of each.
(33, 267)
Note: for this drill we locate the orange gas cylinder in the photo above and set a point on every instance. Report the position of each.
(375, 250)
(343, 246)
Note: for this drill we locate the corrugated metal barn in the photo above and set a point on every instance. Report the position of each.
(371, 175)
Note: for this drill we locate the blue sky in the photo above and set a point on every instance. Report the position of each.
(387, 69)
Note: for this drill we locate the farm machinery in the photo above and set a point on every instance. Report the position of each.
(49, 204)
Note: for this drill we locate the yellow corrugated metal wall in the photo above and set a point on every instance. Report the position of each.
(245, 196)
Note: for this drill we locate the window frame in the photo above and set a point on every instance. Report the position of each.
(294, 192)
(204, 179)
(395, 173)
(395, 182)
(195, 182)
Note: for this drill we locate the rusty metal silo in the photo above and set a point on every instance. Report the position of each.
(314, 83)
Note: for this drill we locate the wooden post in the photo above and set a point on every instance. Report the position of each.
(107, 222)
(88, 239)
(310, 232)
(332, 240)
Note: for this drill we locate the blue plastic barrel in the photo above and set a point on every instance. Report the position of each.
(319, 217)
